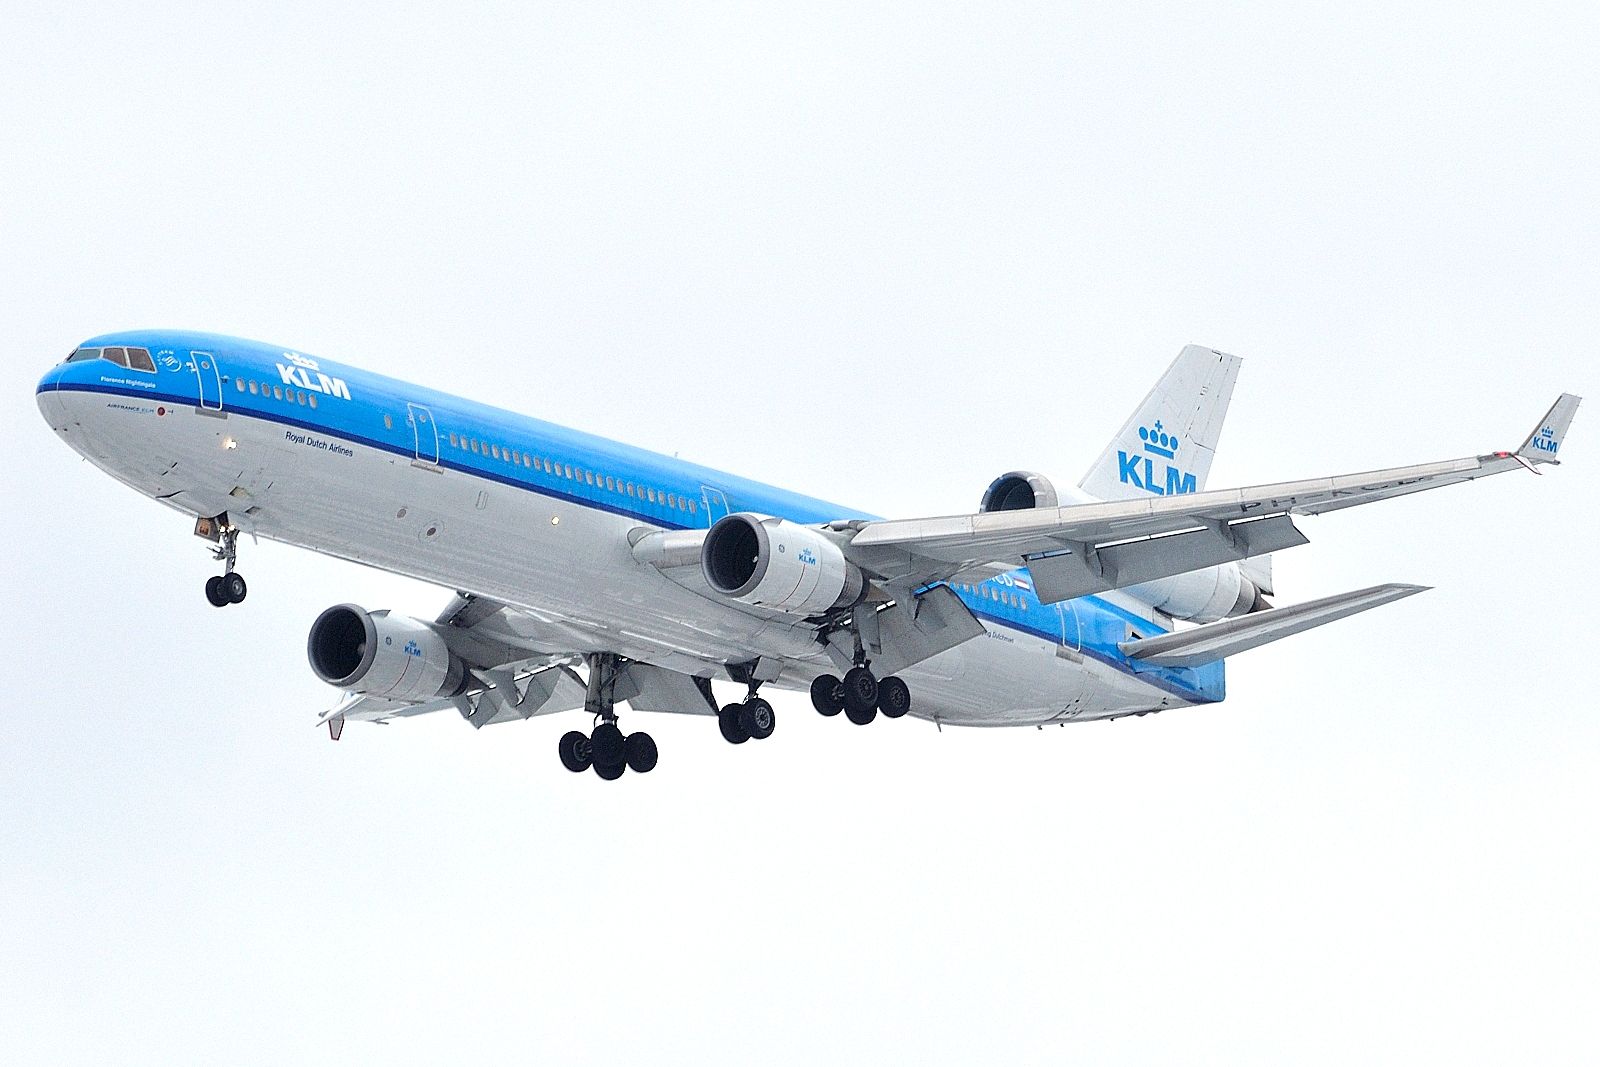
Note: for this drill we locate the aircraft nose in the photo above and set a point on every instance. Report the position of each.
(50, 405)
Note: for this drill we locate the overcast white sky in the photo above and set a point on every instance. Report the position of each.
(879, 254)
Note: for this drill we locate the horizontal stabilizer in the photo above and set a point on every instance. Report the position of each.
(1207, 644)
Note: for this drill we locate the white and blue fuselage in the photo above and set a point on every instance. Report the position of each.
(476, 498)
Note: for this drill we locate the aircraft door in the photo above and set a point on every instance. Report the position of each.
(424, 433)
(1071, 629)
(209, 379)
(716, 503)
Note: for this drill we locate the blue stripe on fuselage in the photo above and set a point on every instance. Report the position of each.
(359, 419)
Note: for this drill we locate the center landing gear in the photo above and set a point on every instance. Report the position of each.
(229, 586)
(608, 750)
(860, 695)
(753, 717)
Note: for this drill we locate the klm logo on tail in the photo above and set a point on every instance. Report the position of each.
(1139, 470)
(1545, 441)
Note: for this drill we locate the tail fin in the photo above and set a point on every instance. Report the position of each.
(1167, 445)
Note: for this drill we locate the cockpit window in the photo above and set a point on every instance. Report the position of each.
(119, 356)
(84, 353)
(139, 359)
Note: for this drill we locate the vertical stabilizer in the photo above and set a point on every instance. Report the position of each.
(1166, 447)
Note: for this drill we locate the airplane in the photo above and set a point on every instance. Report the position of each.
(591, 574)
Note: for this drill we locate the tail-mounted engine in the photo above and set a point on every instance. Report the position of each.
(1019, 491)
(381, 654)
(779, 564)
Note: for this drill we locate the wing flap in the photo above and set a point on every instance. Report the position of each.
(1095, 569)
(1217, 640)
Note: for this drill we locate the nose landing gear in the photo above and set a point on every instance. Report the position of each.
(228, 587)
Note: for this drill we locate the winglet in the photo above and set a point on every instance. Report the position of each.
(1544, 443)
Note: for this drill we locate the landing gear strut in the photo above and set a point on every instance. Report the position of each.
(608, 750)
(228, 587)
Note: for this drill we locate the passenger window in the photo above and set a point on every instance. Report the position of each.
(239, 384)
(254, 388)
(119, 356)
(300, 398)
(527, 460)
(388, 422)
(313, 399)
(692, 508)
(454, 440)
(474, 444)
(588, 476)
(139, 359)
(277, 394)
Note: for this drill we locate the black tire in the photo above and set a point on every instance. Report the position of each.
(640, 752)
(214, 592)
(860, 691)
(894, 697)
(233, 587)
(757, 718)
(606, 745)
(861, 718)
(574, 749)
(733, 730)
(826, 695)
(610, 771)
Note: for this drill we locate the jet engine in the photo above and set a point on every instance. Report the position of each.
(1019, 491)
(779, 564)
(382, 654)
(1208, 595)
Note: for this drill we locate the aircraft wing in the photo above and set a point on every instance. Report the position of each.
(1081, 549)
(511, 678)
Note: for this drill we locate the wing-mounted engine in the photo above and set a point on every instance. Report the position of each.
(381, 654)
(781, 565)
(1019, 491)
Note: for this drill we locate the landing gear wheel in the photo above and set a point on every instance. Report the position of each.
(574, 748)
(233, 587)
(610, 771)
(214, 592)
(894, 697)
(861, 718)
(606, 746)
(756, 718)
(733, 730)
(640, 752)
(860, 694)
(826, 695)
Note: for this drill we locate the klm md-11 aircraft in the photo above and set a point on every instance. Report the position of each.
(591, 574)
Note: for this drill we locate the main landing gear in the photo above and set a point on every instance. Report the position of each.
(229, 586)
(860, 695)
(608, 750)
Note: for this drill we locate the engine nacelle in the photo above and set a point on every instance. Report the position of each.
(382, 654)
(1019, 491)
(779, 564)
(1208, 595)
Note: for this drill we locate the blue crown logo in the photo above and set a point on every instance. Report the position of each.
(1157, 441)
